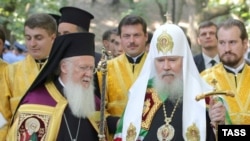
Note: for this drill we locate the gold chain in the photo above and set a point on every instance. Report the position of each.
(169, 119)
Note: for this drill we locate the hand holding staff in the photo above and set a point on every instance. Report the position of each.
(216, 109)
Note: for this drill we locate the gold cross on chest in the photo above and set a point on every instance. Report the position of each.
(214, 82)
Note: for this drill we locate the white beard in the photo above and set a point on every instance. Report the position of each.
(81, 100)
(172, 91)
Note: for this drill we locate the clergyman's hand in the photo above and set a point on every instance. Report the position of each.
(217, 111)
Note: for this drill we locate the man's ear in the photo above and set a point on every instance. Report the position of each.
(63, 67)
(245, 44)
(198, 41)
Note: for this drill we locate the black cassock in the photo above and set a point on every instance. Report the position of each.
(158, 121)
(86, 130)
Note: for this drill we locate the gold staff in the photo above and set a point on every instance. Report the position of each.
(213, 93)
(102, 67)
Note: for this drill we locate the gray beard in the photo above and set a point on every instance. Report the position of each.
(81, 100)
(172, 91)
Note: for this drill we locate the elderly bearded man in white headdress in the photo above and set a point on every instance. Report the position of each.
(169, 110)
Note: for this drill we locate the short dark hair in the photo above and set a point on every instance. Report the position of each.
(107, 33)
(42, 20)
(234, 22)
(206, 24)
(132, 20)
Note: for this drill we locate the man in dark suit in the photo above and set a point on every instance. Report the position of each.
(208, 41)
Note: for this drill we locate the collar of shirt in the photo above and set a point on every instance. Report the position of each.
(41, 60)
(207, 60)
(135, 60)
(60, 81)
(235, 70)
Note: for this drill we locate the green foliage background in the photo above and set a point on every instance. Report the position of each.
(14, 12)
(239, 9)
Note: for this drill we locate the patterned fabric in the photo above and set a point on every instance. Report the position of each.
(239, 105)
(153, 119)
(43, 121)
(151, 104)
(119, 79)
(166, 42)
(17, 79)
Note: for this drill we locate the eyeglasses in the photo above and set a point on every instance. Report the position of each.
(88, 68)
